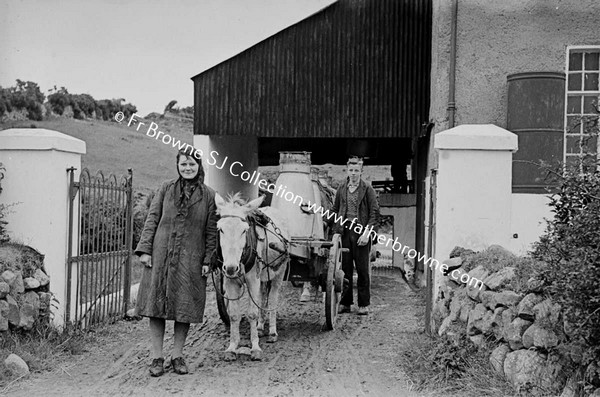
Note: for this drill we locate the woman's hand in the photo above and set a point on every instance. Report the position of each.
(146, 260)
(205, 270)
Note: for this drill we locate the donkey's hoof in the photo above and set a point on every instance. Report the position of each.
(256, 355)
(230, 356)
(272, 338)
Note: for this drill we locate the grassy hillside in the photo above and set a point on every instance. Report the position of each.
(113, 147)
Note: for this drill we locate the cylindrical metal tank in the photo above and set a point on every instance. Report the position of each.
(536, 109)
(317, 230)
(294, 191)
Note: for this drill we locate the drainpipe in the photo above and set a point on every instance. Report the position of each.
(452, 73)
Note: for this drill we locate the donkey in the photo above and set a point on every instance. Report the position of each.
(253, 244)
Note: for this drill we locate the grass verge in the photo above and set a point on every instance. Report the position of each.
(451, 366)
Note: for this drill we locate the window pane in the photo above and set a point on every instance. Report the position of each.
(575, 61)
(574, 81)
(573, 125)
(573, 143)
(574, 104)
(590, 82)
(591, 61)
(590, 104)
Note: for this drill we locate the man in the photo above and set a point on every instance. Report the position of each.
(356, 202)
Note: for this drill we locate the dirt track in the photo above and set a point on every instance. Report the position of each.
(358, 358)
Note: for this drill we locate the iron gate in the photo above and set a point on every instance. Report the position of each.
(99, 247)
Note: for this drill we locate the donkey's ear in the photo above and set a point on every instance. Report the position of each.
(219, 201)
(254, 204)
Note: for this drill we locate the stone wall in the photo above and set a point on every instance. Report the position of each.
(24, 288)
(512, 318)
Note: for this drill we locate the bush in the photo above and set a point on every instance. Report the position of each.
(571, 249)
(103, 226)
(25, 95)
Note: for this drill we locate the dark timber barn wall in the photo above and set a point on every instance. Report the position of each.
(356, 69)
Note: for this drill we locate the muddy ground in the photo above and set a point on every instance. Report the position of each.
(359, 358)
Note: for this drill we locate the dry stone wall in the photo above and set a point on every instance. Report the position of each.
(511, 317)
(24, 288)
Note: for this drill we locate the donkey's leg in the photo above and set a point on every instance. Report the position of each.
(276, 284)
(261, 314)
(253, 284)
(233, 291)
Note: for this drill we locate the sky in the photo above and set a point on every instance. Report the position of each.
(143, 51)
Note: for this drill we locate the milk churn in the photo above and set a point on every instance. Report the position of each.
(294, 192)
(317, 220)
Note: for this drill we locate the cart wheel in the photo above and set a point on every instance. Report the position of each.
(221, 302)
(333, 294)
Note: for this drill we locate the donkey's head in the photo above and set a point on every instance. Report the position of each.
(233, 227)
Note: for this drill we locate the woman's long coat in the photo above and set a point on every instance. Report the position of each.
(180, 240)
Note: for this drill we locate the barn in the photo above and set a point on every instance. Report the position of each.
(352, 79)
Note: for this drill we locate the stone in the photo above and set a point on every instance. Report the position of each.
(539, 337)
(508, 316)
(530, 372)
(492, 299)
(453, 264)
(440, 311)
(4, 289)
(445, 325)
(475, 287)
(476, 317)
(8, 277)
(501, 278)
(477, 340)
(497, 358)
(535, 285)
(570, 389)
(525, 308)
(42, 277)
(31, 283)
(30, 310)
(456, 303)
(16, 365)
(596, 393)
(496, 324)
(514, 333)
(17, 287)
(3, 315)
(547, 314)
(467, 305)
(14, 316)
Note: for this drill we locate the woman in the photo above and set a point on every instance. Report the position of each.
(175, 247)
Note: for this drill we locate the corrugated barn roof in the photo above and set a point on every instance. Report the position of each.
(357, 69)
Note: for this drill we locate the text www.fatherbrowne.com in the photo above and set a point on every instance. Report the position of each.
(281, 191)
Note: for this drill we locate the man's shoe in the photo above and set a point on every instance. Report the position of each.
(179, 366)
(157, 367)
(344, 309)
(363, 310)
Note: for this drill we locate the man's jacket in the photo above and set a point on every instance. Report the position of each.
(368, 208)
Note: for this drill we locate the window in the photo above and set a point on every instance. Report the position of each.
(583, 92)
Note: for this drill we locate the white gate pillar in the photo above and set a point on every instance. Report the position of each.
(473, 194)
(36, 180)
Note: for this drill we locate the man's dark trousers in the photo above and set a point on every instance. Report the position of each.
(359, 256)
